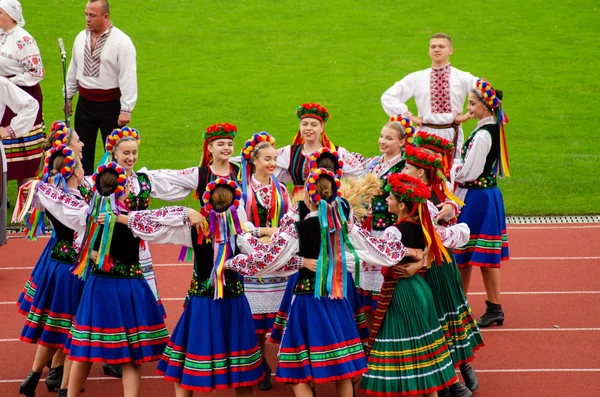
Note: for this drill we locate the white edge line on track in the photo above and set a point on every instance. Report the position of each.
(517, 258)
(510, 227)
(553, 329)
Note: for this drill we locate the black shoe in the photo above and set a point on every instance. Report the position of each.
(469, 376)
(314, 390)
(445, 392)
(114, 370)
(265, 384)
(62, 393)
(459, 390)
(30, 383)
(54, 378)
(493, 314)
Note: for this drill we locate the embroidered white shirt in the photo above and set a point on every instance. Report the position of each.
(117, 67)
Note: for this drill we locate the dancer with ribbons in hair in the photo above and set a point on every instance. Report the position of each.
(462, 334)
(21, 63)
(266, 201)
(392, 140)
(439, 93)
(321, 342)
(485, 158)
(293, 160)
(56, 300)
(118, 320)
(214, 345)
(407, 351)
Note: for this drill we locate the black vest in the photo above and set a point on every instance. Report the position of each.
(487, 178)
(63, 250)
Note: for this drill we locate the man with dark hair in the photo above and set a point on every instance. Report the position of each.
(439, 92)
(103, 72)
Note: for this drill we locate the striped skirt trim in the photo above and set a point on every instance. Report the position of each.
(118, 337)
(214, 364)
(320, 356)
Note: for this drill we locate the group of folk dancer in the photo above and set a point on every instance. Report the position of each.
(303, 266)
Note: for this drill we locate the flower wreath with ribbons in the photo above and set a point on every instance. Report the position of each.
(327, 152)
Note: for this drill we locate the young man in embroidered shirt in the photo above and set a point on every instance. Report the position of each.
(103, 72)
(439, 92)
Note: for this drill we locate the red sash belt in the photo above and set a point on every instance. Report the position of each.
(96, 95)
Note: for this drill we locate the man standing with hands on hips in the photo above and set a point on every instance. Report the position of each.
(439, 92)
(103, 72)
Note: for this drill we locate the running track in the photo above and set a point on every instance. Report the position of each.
(549, 344)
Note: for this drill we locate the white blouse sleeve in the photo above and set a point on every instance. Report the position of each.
(31, 61)
(353, 166)
(475, 157)
(166, 225)
(172, 185)
(20, 103)
(68, 209)
(453, 236)
(126, 57)
(394, 99)
(277, 256)
(386, 250)
(283, 162)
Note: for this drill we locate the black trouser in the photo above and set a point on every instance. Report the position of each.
(89, 117)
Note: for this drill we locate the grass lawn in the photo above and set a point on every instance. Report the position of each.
(252, 62)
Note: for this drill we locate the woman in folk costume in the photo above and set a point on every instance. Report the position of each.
(59, 134)
(407, 352)
(329, 160)
(118, 320)
(485, 158)
(293, 160)
(214, 345)
(21, 63)
(453, 310)
(175, 185)
(55, 303)
(392, 139)
(321, 342)
(266, 201)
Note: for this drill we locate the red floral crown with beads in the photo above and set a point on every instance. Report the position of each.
(433, 142)
(313, 110)
(326, 152)
(120, 133)
(487, 94)
(121, 179)
(223, 182)
(220, 131)
(407, 188)
(420, 158)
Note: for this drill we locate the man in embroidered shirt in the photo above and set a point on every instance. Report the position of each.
(103, 71)
(26, 109)
(439, 92)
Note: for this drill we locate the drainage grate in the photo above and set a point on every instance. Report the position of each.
(520, 220)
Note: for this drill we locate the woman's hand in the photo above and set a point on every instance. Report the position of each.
(445, 211)
(416, 254)
(407, 270)
(267, 231)
(461, 118)
(310, 264)
(195, 218)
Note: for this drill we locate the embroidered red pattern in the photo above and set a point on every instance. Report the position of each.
(439, 90)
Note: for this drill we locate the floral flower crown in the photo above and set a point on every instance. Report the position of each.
(326, 152)
(313, 110)
(407, 188)
(420, 158)
(121, 179)
(70, 162)
(487, 94)
(220, 131)
(406, 126)
(62, 133)
(120, 133)
(433, 142)
(311, 185)
(212, 185)
(252, 143)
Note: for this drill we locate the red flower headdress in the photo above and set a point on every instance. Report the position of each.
(212, 133)
(439, 145)
(407, 188)
(314, 111)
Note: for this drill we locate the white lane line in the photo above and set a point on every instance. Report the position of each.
(9, 340)
(17, 268)
(91, 378)
(552, 227)
(538, 329)
(539, 370)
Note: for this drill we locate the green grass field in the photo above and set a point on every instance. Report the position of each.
(252, 62)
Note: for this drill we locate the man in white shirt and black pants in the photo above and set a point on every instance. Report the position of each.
(103, 72)
(26, 109)
(439, 92)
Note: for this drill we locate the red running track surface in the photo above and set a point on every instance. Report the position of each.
(548, 345)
